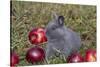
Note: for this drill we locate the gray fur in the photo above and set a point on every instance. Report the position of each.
(60, 38)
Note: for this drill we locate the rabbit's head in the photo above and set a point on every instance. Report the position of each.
(55, 28)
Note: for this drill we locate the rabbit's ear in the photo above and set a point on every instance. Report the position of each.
(54, 16)
(61, 20)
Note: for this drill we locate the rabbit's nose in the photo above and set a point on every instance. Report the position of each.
(47, 32)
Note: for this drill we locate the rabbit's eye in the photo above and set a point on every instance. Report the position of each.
(54, 27)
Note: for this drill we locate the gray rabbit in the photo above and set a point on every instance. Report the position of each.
(60, 38)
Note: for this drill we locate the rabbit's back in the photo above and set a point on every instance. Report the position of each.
(72, 39)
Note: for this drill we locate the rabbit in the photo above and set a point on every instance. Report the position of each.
(60, 38)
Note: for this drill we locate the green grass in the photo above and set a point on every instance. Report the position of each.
(27, 15)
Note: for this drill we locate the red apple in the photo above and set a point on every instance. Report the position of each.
(90, 55)
(14, 59)
(35, 54)
(37, 36)
(74, 58)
